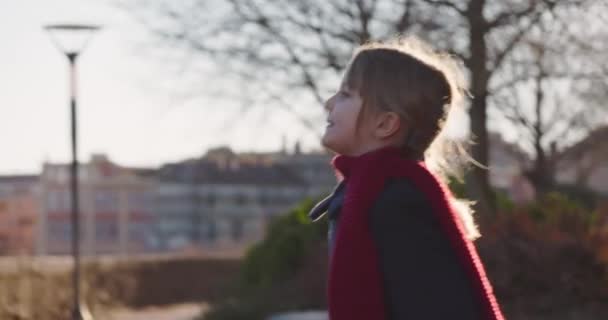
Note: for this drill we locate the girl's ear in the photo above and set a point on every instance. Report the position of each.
(387, 124)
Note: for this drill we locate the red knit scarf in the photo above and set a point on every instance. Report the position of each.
(355, 286)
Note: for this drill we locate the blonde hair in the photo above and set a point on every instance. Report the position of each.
(406, 76)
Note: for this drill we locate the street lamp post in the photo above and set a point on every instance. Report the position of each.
(71, 39)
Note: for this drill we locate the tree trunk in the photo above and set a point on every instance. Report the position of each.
(478, 185)
(542, 173)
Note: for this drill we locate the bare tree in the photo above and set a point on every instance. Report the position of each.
(556, 77)
(297, 49)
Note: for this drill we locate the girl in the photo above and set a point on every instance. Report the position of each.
(400, 244)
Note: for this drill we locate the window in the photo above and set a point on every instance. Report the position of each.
(237, 229)
(211, 230)
(64, 200)
(106, 230)
(60, 231)
(52, 201)
(240, 199)
(211, 200)
(106, 200)
(263, 199)
(3, 243)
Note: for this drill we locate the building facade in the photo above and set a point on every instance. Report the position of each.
(586, 163)
(222, 200)
(19, 209)
(314, 167)
(115, 209)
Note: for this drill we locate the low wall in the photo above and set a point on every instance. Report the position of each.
(29, 291)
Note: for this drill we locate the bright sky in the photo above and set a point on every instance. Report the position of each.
(129, 101)
(127, 108)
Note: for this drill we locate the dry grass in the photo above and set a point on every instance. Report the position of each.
(28, 291)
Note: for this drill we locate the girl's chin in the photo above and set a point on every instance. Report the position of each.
(330, 145)
(326, 142)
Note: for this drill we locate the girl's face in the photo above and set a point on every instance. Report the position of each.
(340, 134)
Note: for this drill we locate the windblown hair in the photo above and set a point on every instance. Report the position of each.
(423, 87)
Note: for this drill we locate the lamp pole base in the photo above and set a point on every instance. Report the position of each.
(81, 313)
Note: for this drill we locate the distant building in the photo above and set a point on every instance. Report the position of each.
(586, 162)
(223, 199)
(583, 164)
(506, 161)
(115, 209)
(18, 214)
(314, 167)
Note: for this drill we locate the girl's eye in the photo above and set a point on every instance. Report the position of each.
(343, 93)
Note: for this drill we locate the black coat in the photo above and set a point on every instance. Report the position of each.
(422, 278)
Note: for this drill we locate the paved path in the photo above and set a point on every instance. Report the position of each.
(175, 312)
(190, 311)
(303, 315)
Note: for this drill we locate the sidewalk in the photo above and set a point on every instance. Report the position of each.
(175, 312)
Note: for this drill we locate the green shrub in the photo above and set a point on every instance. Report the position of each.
(552, 216)
(272, 265)
(582, 195)
(281, 253)
(457, 187)
(559, 209)
(503, 201)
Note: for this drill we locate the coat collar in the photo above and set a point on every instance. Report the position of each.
(320, 208)
(345, 165)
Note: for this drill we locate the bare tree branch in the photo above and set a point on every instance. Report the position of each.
(516, 39)
(447, 4)
(403, 23)
(302, 45)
